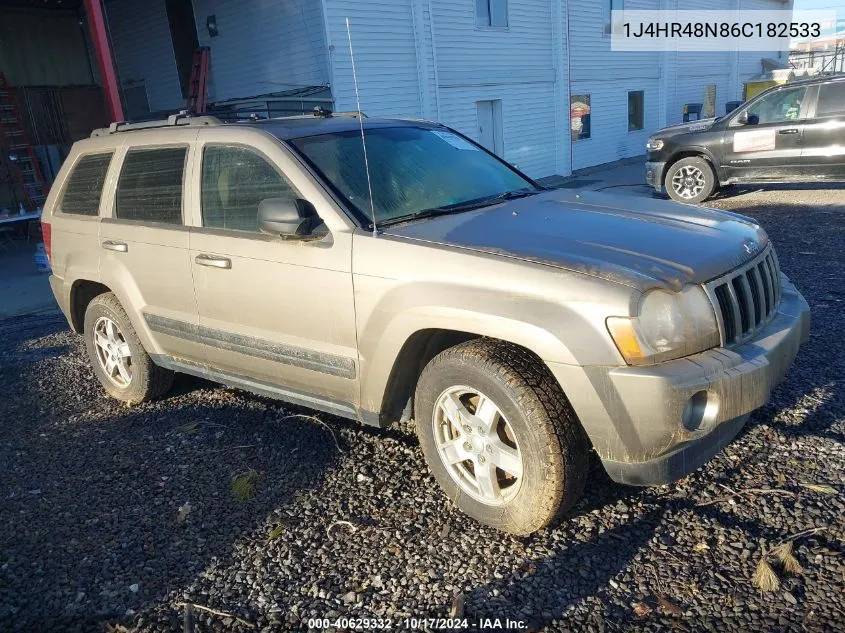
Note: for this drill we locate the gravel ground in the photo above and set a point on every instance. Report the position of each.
(112, 517)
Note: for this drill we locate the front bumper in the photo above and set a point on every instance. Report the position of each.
(654, 175)
(635, 416)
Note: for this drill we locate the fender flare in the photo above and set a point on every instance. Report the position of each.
(688, 152)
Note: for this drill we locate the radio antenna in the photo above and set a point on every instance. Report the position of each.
(361, 122)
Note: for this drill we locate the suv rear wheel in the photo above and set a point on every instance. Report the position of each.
(690, 180)
(499, 435)
(119, 360)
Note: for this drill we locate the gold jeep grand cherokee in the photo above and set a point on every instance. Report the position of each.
(519, 327)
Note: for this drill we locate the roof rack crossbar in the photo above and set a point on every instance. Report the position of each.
(352, 113)
(182, 118)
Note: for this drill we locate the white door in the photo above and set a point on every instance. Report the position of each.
(490, 125)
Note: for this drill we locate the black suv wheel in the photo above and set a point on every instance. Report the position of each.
(690, 180)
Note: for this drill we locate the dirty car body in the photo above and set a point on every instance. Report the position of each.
(489, 309)
(598, 256)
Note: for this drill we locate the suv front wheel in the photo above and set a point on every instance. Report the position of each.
(690, 180)
(499, 435)
(119, 360)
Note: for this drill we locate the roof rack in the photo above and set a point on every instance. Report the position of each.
(182, 118)
(320, 111)
(319, 114)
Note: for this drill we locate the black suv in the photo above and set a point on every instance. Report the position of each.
(789, 133)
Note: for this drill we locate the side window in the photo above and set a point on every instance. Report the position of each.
(783, 105)
(831, 99)
(85, 185)
(150, 185)
(234, 181)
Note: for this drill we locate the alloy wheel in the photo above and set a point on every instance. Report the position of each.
(688, 182)
(113, 352)
(477, 445)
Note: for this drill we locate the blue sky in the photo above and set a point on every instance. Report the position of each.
(811, 5)
(822, 5)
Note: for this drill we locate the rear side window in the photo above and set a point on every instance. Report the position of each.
(85, 185)
(150, 185)
(831, 99)
(234, 181)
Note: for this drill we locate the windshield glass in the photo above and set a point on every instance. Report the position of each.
(412, 169)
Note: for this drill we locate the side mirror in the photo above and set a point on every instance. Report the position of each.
(287, 218)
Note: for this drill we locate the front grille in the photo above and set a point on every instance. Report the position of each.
(747, 298)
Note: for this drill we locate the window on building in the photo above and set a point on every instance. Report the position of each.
(234, 181)
(150, 185)
(85, 185)
(491, 12)
(831, 100)
(636, 110)
(579, 117)
(613, 5)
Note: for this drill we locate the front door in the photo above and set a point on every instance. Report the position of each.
(768, 147)
(276, 311)
(824, 136)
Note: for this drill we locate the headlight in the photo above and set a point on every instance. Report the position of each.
(654, 144)
(669, 325)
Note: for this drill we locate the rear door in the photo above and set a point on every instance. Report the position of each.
(277, 311)
(823, 153)
(769, 150)
(144, 245)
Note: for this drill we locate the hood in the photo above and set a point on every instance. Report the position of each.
(640, 242)
(685, 128)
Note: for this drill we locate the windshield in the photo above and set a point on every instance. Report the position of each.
(412, 169)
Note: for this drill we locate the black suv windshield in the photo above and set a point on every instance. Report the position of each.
(415, 171)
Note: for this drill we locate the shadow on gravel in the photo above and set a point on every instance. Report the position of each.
(732, 191)
(543, 590)
(808, 239)
(106, 511)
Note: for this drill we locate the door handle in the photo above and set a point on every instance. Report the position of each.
(213, 261)
(791, 130)
(111, 245)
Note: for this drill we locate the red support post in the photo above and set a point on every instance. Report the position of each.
(100, 37)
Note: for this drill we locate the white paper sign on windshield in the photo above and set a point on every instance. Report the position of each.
(454, 140)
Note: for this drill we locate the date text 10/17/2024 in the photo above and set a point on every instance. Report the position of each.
(418, 624)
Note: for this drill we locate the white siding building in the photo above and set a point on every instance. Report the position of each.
(504, 72)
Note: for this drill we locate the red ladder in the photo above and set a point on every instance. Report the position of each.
(198, 88)
(26, 170)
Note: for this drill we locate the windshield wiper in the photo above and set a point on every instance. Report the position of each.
(460, 207)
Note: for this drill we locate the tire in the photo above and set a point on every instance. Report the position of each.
(690, 180)
(533, 417)
(146, 379)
